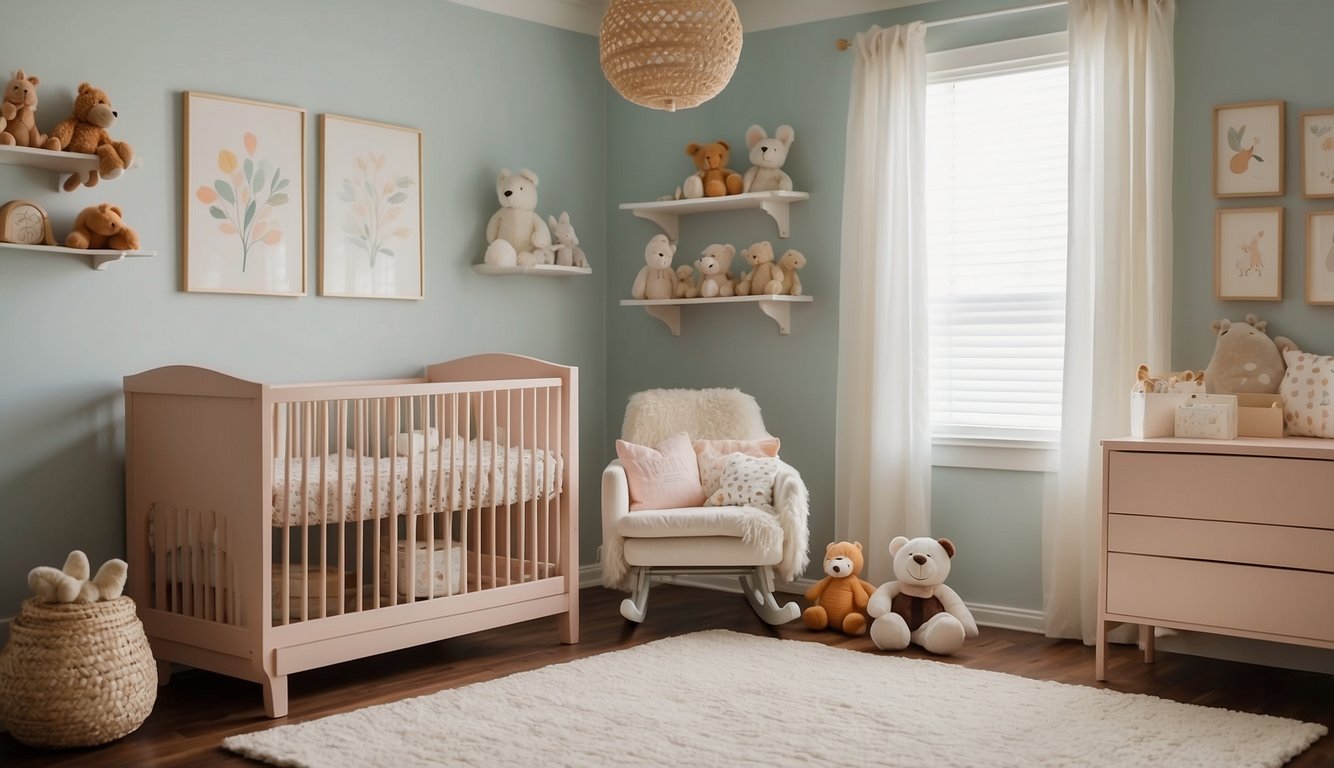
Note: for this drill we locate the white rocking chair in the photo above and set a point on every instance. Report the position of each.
(745, 541)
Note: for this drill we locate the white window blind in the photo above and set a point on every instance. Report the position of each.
(996, 189)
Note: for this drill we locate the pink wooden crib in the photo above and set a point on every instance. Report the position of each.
(279, 528)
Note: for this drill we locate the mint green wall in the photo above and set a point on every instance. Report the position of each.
(487, 91)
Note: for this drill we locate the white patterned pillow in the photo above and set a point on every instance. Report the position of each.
(1308, 397)
(746, 481)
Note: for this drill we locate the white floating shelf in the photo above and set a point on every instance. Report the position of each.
(57, 162)
(98, 259)
(543, 270)
(666, 213)
(669, 310)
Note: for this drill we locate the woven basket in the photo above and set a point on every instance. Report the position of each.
(670, 54)
(76, 674)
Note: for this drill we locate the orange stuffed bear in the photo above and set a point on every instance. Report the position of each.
(840, 597)
(713, 178)
(101, 226)
(86, 131)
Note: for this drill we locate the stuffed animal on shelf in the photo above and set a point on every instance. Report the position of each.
(566, 246)
(86, 131)
(1245, 359)
(765, 276)
(790, 262)
(767, 156)
(101, 226)
(1146, 383)
(712, 177)
(71, 584)
(515, 235)
(713, 265)
(656, 280)
(19, 112)
(25, 222)
(840, 597)
(686, 285)
(917, 607)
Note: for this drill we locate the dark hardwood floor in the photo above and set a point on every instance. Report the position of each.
(198, 709)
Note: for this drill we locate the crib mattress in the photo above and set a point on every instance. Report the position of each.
(373, 487)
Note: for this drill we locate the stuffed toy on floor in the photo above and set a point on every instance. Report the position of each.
(841, 596)
(917, 607)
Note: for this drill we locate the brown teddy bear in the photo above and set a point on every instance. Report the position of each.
(86, 131)
(101, 226)
(766, 277)
(19, 108)
(714, 178)
(840, 597)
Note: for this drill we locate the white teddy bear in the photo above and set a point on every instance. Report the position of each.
(516, 235)
(791, 261)
(917, 607)
(713, 265)
(767, 157)
(656, 280)
(71, 583)
(765, 277)
(568, 252)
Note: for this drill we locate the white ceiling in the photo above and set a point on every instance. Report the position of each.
(586, 15)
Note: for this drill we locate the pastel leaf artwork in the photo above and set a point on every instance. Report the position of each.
(250, 143)
(375, 201)
(246, 197)
(226, 161)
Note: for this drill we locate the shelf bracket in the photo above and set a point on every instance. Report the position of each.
(778, 211)
(102, 260)
(669, 314)
(670, 223)
(780, 311)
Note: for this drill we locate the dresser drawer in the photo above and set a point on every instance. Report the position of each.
(1279, 491)
(1309, 549)
(1293, 603)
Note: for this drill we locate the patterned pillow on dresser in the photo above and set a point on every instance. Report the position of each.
(1306, 391)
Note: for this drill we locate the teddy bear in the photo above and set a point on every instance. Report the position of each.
(790, 262)
(566, 246)
(686, 285)
(656, 280)
(840, 597)
(917, 606)
(101, 226)
(713, 178)
(765, 277)
(19, 112)
(71, 584)
(713, 265)
(86, 131)
(1245, 359)
(516, 235)
(766, 160)
(1147, 383)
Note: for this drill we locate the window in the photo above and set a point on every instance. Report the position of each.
(997, 142)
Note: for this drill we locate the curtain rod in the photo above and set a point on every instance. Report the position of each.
(843, 43)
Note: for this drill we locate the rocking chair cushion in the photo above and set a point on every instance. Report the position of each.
(735, 522)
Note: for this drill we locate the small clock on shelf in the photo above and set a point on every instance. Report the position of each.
(26, 223)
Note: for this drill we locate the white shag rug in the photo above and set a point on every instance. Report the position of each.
(723, 698)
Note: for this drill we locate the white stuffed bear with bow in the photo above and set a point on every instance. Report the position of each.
(71, 583)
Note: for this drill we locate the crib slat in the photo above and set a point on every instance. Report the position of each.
(375, 437)
(359, 440)
(323, 444)
(304, 575)
(282, 597)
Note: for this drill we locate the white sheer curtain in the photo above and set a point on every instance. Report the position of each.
(1118, 301)
(883, 447)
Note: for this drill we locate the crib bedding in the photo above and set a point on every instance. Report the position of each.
(454, 480)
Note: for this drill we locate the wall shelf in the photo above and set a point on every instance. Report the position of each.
(98, 259)
(669, 310)
(541, 270)
(62, 163)
(666, 213)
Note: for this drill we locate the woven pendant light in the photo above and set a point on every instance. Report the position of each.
(670, 54)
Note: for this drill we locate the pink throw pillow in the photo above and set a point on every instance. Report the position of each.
(712, 457)
(661, 477)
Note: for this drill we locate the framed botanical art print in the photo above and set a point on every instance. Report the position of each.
(1248, 149)
(1320, 257)
(371, 240)
(244, 207)
(1248, 253)
(1317, 137)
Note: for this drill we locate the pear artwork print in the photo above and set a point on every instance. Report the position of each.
(244, 196)
(1248, 149)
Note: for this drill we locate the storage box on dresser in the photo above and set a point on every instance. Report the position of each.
(1233, 537)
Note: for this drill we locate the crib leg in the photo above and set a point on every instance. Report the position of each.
(163, 672)
(275, 696)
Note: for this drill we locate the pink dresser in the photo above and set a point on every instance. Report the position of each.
(1227, 536)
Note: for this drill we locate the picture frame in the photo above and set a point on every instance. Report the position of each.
(1248, 254)
(1248, 149)
(244, 206)
(1320, 257)
(371, 237)
(1317, 138)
